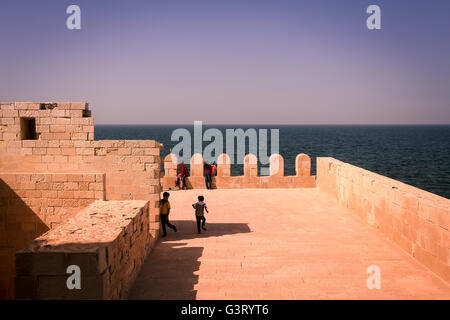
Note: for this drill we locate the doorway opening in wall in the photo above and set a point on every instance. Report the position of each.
(28, 129)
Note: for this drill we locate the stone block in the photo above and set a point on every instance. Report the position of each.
(78, 106)
(79, 136)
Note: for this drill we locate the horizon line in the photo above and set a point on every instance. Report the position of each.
(275, 124)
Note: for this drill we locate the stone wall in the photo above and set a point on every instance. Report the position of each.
(52, 121)
(64, 143)
(418, 221)
(31, 204)
(250, 179)
(48, 138)
(108, 241)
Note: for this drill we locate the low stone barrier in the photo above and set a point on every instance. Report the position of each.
(108, 241)
(418, 221)
(31, 204)
(250, 179)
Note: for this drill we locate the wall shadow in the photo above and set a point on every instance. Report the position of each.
(168, 273)
(170, 270)
(19, 225)
(188, 184)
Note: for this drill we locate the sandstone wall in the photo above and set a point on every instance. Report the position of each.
(250, 179)
(53, 121)
(48, 138)
(418, 221)
(64, 143)
(108, 241)
(31, 204)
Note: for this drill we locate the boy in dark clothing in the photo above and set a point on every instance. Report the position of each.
(200, 207)
(164, 210)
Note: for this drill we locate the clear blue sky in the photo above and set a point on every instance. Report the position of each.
(239, 62)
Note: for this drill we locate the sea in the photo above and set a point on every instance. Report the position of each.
(418, 155)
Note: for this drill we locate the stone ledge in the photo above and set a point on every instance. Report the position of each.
(108, 240)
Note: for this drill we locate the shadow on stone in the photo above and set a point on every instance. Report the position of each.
(214, 182)
(169, 270)
(19, 225)
(188, 184)
(168, 273)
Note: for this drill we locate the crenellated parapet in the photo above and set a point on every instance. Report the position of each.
(223, 165)
(250, 178)
(303, 165)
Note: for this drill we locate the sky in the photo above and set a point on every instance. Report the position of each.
(232, 62)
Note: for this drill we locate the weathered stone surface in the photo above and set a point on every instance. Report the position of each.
(108, 240)
(65, 144)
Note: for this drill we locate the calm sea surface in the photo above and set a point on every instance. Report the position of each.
(417, 155)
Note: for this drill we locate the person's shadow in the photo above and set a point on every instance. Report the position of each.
(213, 182)
(168, 272)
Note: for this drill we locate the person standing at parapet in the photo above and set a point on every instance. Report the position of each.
(213, 169)
(184, 173)
(213, 172)
(207, 171)
(164, 210)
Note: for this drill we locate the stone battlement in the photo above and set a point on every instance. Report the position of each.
(250, 179)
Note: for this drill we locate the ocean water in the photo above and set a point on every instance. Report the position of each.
(418, 155)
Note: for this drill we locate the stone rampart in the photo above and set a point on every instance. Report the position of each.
(418, 221)
(250, 179)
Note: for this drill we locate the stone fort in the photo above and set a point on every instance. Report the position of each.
(66, 199)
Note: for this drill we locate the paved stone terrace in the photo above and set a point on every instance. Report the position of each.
(277, 244)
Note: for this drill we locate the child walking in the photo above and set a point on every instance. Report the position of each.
(164, 210)
(200, 207)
